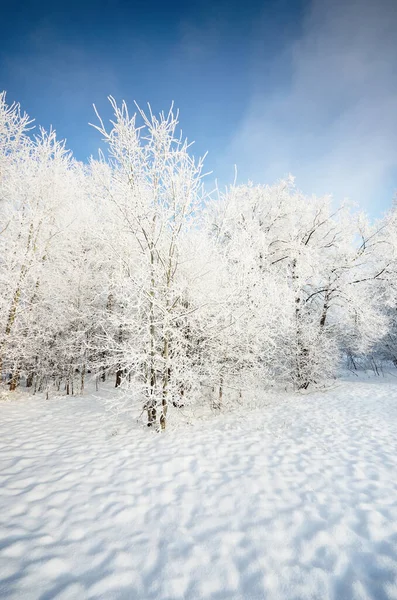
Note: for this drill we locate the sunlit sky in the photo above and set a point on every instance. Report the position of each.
(307, 87)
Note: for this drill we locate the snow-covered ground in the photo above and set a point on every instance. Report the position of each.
(297, 501)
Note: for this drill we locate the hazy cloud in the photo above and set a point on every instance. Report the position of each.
(334, 125)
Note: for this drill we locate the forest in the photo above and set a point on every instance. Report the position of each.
(133, 269)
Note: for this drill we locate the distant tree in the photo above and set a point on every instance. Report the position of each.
(310, 268)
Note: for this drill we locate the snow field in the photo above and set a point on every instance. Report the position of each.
(295, 501)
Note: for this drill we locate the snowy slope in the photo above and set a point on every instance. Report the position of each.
(297, 501)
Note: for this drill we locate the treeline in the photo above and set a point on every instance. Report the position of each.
(127, 268)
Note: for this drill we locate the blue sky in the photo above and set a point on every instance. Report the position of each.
(307, 87)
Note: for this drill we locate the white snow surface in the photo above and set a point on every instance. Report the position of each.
(294, 501)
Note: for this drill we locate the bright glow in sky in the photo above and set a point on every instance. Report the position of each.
(306, 87)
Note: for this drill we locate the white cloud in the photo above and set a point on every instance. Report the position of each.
(334, 125)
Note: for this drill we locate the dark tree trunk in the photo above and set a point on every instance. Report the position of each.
(151, 405)
(14, 381)
(119, 374)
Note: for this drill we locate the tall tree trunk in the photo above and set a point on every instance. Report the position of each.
(151, 404)
(302, 353)
(220, 394)
(166, 375)
(14, 379)
(325, 310)
(119, 372)
(82, 378)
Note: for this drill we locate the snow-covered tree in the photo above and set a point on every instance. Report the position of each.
(310, 268)
(155, 188)
(126, 268)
